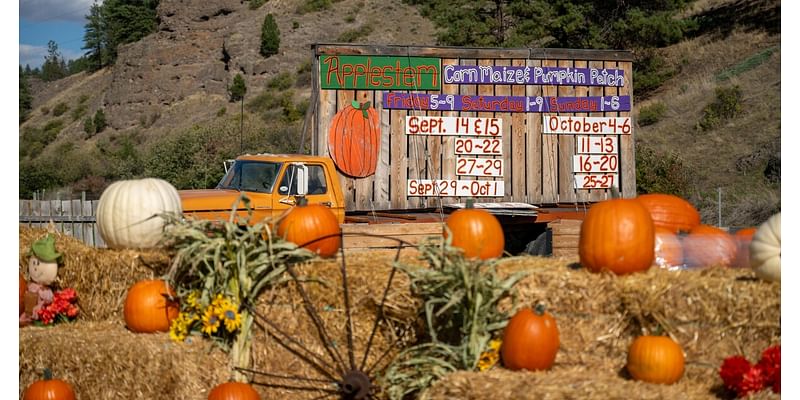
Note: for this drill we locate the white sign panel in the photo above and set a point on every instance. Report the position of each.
(453, 126)
(596, 181)
(470, 166)
(479, 146)
(575, 125)
(596, 144)
(449, 187)
(595, 163)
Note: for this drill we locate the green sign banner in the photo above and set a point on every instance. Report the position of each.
(380, 72)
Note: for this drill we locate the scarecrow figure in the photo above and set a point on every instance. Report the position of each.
(42, 272)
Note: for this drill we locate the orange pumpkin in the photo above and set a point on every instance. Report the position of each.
(530, 340)
(306, 223)
(707, 245)
(23, 286)
(617, 235)
(233, 391)
(668, 249)
(149, 306)
(354, 140)
(655, 359)
(670, 211)
(49, 389)
(743, 238)
(476, 231)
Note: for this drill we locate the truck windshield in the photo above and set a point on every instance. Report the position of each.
(251, 176)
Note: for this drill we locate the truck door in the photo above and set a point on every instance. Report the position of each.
(319, 190)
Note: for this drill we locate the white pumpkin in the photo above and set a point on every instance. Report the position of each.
(127, 214)
(765, 249)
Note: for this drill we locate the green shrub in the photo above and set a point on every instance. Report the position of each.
(99, 121)
(88, 127)
(295, 24)
(726, 106)
(45, 110)
(650, 71)
(264, 102)
(658, 172)
(303, 74)
(270, 36)
(60, 109)
(255, 4)
(78, 112)
(313, 5)
(83, 98)
(221, 111)
(238, 89)
(282, 81)
(652, 113)
(352, 35)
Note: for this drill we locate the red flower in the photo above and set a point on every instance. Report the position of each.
(67, 294)
(776, 383)
(733, 370)
(752, 381)
(770, 364)
(72, 311)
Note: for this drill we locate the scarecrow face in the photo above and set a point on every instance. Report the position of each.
(41, 272)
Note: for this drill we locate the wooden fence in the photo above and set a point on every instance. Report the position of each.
(71, 217)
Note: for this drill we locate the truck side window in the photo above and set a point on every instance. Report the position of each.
(251, 176)
(316, 181)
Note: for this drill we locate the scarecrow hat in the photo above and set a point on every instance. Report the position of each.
(45, 249)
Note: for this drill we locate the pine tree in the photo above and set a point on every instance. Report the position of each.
(54, 67)
(99, 121)
(95, 39)
(238, 88)
(270, 36)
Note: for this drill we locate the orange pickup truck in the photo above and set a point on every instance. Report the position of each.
(272, 182)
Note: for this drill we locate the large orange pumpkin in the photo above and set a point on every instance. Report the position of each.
(655, 359)
(707, 245)
(617, 235)
(670, 211)
(477, 232)
(233, 391)
(743, 238)
(354, 139)
(305, 223)
(149, 306)
(668, 249)
(530, 340)
(49, 389)
(23, 286)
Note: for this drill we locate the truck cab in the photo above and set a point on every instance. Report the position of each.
(271, 182)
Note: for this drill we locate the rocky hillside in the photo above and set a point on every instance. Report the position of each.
(178, 76)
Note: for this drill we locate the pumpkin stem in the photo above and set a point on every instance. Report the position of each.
(48, 374)
(615, 193)
(539, 309)
(302, 201)
(355, 104)
(470, 203)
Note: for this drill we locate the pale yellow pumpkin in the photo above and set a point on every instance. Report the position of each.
(128, 212)
(765, 249)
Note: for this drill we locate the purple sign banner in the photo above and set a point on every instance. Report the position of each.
(531, 104)
(503, 75)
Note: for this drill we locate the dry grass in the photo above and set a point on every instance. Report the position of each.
(712, 313)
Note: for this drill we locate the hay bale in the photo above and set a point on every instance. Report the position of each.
(101, 277)
(103, 360)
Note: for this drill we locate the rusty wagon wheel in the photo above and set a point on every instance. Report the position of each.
(325, 370)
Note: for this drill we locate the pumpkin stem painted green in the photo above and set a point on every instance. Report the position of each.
(470, 203)
(48, 374)
(615, 193)
(355, 104)
(539, 309)
(301, 201)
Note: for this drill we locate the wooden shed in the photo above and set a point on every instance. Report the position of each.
(534, 126)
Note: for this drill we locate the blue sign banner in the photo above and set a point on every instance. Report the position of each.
(519, 104)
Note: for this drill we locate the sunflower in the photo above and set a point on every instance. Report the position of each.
(491, 356)
(221, 303)
(233, 320)
(191, 300)
(210, 321)
(179, 327)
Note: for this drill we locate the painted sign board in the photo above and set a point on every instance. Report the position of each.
(596, 181)
(576, 125)
(379, 72)
(452, 187)
(479, 146)
(512, 104)
(526, 75)
(595, 163)
(468, 126)
(596, 144)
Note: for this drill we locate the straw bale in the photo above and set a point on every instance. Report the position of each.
(103, 360)
(101, 277)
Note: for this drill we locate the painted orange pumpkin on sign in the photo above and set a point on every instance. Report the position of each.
(354, 140)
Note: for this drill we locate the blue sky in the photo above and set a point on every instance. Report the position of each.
(43, 20)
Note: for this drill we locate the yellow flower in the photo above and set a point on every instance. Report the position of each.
(491, 356)
(495, 344)
(178, 329)
(210, 321)
(233, 320)
(191, 300)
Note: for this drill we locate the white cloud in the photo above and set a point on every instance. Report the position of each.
(34, 55)
(55, 10)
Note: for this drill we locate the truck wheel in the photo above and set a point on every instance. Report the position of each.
(542, 245)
